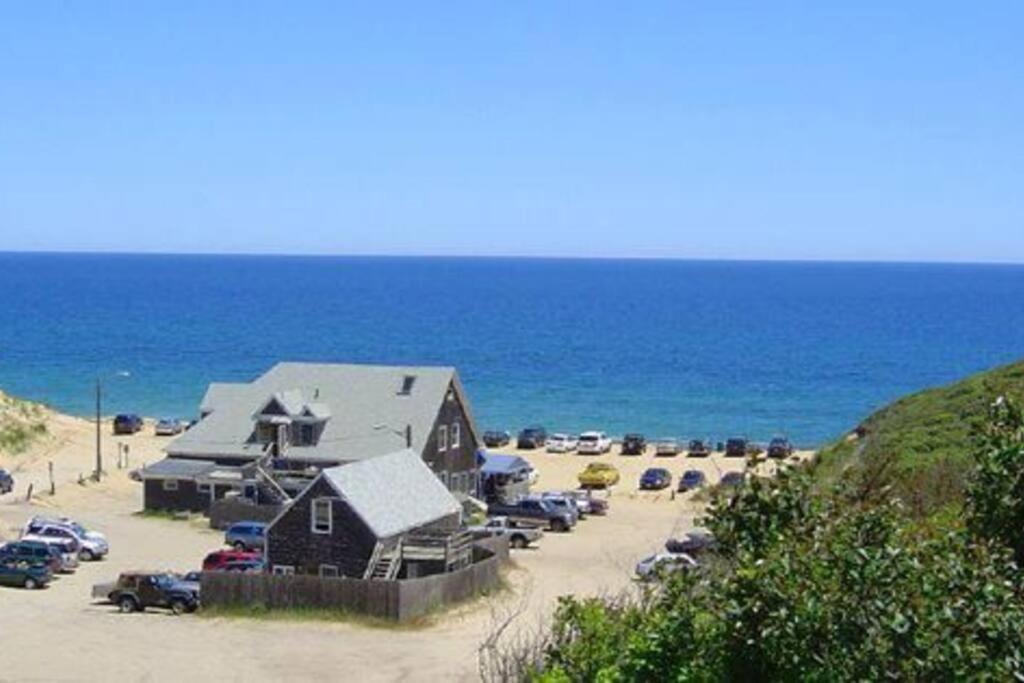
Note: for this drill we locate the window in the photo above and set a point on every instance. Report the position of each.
(442, 439)
(284, 570)
(322, 521)
(328, 571)
(306, 435)
(444, 479)
(204, 488)
(170, 484)
(456, 434)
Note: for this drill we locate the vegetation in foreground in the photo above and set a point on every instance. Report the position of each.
(922, 444)
(820, 585)
(21, 424)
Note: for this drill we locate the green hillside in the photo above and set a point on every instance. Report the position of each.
(922, 443)
(21, 423)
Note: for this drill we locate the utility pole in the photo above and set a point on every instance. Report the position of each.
(99, 457)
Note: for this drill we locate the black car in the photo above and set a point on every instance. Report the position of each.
(691, 479)
(733, 479)
(693, 544)
(736, 448)
(633, 444)
(698, 449)
(532, 437)
(655, 478)
(127, 424)
(6, 482)
(497, 439)
(780, 448)
(135, 591)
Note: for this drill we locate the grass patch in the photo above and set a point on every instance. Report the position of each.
(22, 423)
(167, 514)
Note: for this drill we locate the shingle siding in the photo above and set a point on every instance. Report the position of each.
(186, 498)
(458, 460)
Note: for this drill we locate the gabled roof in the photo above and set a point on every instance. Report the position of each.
(496, 463)
(365, 410)
(392, 493)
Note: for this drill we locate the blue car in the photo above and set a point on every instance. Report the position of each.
(691, 479)
(246, 536)
(655, 478)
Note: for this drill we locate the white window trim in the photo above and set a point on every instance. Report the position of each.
(284, 570)
(456, 434)
(330, 516)
(170, 485)
(442, 438)
(329, 571)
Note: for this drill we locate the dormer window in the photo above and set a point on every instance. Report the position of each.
(407, 383)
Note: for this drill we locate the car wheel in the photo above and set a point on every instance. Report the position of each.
(127, 604)
(179, 607)
(518, 542)
(239, 546)
(30, 583)
(86, 555)
(559, 525)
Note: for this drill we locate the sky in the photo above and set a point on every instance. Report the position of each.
(874, 131)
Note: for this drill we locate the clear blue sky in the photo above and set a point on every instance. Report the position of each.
(885, 130)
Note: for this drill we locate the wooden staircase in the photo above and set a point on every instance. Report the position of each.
(384, 566)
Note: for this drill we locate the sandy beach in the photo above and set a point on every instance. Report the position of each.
(60, 634)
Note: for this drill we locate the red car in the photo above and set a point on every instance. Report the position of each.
(218, 560)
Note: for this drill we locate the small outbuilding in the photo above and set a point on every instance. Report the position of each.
(386, 517)
(177, 485)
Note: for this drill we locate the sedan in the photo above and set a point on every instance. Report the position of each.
(655, 478)
(663, 563)
(691, 479)
(168, 427)
(561, 443)
(496, 439)
(667, 447)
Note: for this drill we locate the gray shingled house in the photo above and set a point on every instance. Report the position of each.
(302, 416)
(382, 518)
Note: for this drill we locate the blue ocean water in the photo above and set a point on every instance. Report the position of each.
(664, 347)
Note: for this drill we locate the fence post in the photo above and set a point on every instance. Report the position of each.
(53, 486)
(28, 497)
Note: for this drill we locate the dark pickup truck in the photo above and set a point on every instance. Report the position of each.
(534, 511)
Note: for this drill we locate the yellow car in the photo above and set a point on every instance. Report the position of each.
(598, 475)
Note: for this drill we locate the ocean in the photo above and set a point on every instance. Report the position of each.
(667, 348)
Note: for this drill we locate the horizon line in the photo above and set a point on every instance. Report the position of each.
(508, 257)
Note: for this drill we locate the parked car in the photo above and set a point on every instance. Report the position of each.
(66, 549)
(561, 443)
(168, 427)
(691, 479)
(246, 536)
(532, 437)
(655, 479)
(633, 444)
(598, 475)
(582, 503)
(34, 553)
(561, 502)
(518, 536)
(91, 545)
(694, 543)
(127, 424)
(593, 443)
(780, 448)
(667, 447)
(595, 506)
(733, 479)
(495, 439)
(254, 566)
(663, 563)
(6, 482)
(218, 559)
(135, 591)
(532, 475)
(24, 574)
(698, 448)
(534, 511)
(736, 448)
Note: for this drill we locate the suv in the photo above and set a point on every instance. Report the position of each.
(135, 591)
(495, 439)
(34, 553)
(127, 424)
(6, 482)
(593, 443)
(91, 545)
(246, 536)
(532, 437)
(736, 448)
(633, 444)
(535, 511)
(24, 574)
(780, 448)
(66, 548)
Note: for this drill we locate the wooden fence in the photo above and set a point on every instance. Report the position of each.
(398, 600)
